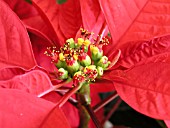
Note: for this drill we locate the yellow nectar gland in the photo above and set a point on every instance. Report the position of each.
(91, 67)
(61, 57)
(87, 43)
(94, 49)
(75, 57)
(80, 41)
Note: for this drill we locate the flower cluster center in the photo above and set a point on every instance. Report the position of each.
(80, 59)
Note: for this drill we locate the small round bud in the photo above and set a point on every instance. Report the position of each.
(90, 72)
(96, 53)
(78, 78)
(72, 66)
(84, 59)
(62, 74)
(103, 62)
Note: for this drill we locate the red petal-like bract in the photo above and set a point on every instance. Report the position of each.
(22, 110)
(65, 19)
(31, 18)
(8, 73)
(136, 19)
(146, 88)
(68, 109)
(101, 86)
(167, 122)
(95, 20)
(145, 83)
(39, 47)
(34, 82)
(135, 53)
(22, 8)
(69, 19)
(15, 44)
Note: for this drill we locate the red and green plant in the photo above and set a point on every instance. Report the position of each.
(38, 93)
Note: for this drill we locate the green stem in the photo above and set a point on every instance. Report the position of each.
(83, 96)
(84, 117)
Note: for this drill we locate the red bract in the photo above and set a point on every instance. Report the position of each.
(19, 109)
(13, 51)
(141, 73)
(141, 79)
(144, 83)
(136, 19)
(22, 110)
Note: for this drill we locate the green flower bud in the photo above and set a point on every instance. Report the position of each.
(103, 62)
(91, 72)
(84, 59)
(62, 74)
(60, 64)
(72, 66)
(96, 53)
(71, 42)
(100, 71)
(78, 78)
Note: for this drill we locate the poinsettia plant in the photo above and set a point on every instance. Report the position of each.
(85, 61)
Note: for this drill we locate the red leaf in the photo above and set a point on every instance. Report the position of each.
(39, 47)
(34, 82)
(9, 73)
(67, 108)
(167, 122)
(102, 86)
(46, 11)
(37, 26)
(29, 15)
(135, 53)
(22, 8)
(22, 110)
(136, 19)
(146, 88)
(65, 19)
(95, 20)
(15, 45)
(69, 19)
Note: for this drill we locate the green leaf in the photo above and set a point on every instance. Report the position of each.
(61, 1)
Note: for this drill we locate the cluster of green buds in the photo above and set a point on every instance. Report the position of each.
(80, 59)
